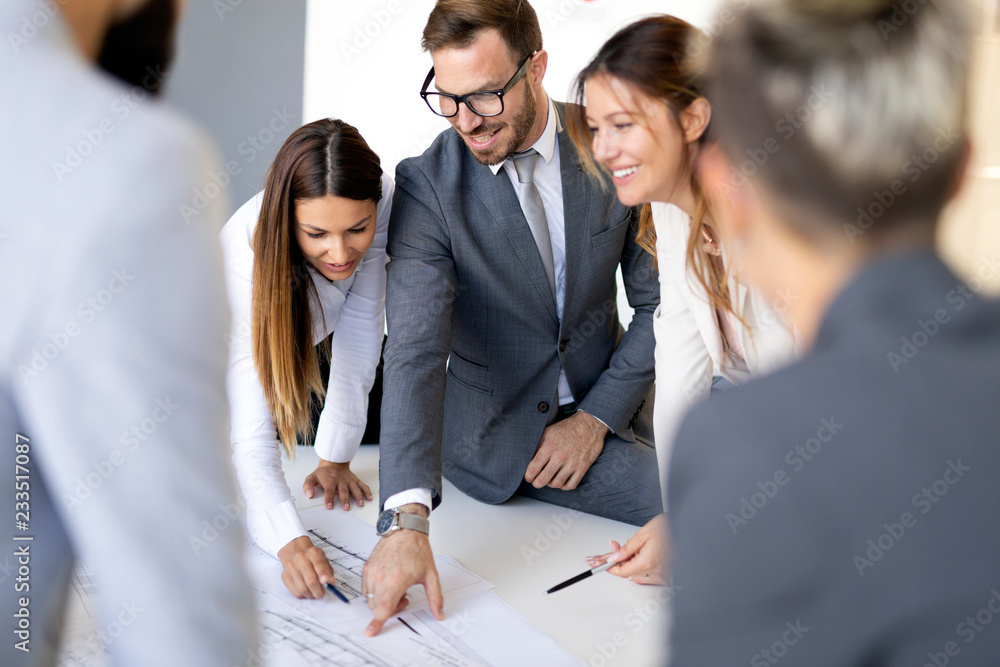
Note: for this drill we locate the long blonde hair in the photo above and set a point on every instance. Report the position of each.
(327, 157)
(651, 56)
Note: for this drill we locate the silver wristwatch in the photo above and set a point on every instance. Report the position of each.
(392, 520)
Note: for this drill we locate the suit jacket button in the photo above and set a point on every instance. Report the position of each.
(543, 407)
(562, 345)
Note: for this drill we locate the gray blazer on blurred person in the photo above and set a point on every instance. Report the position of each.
(113, 357)
(844, 511)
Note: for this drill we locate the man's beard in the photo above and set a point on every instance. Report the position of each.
(139, 48)
(521, 125)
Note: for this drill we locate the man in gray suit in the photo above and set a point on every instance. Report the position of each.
(506, 367)
(843, 511)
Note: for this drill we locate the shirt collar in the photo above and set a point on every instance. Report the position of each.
(546, 144)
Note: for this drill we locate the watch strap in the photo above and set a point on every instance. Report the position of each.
(413, 522)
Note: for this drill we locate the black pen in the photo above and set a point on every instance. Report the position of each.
(333, 589)
(580, 577)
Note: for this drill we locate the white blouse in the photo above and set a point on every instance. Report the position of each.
(689, 346)
(354, 309)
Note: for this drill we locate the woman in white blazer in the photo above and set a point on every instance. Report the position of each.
(305, 257)
(647, 122)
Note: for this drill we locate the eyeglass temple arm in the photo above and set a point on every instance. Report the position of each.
(427, 82)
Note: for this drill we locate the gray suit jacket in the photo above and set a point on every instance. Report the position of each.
(475, 346)
(844, 511)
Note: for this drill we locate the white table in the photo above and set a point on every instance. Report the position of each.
(524, 547)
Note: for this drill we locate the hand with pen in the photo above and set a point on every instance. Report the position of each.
(305, 568)
(644, 558)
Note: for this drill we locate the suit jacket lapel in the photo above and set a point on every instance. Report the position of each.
(576, 210)
(497, 195)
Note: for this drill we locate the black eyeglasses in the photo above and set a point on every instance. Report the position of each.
(484, 103)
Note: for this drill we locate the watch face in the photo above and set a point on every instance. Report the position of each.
(385, 521)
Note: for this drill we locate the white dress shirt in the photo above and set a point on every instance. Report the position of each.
(113, 360)
(548, 180)
(354, 310)
(689, 346)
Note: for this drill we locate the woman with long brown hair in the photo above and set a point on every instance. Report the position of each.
(642, 117)
(304, 258)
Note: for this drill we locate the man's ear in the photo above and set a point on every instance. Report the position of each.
(536, 70)
(695, 119)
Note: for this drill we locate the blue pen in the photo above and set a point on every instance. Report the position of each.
(330, 587)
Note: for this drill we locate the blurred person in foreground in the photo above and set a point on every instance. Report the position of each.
(843, 511)
(112, 341)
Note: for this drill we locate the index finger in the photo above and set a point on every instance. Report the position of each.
(386, 603)
(322, 566)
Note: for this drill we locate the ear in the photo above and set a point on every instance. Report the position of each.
(730, 193)
(536, 70)
(695, 119)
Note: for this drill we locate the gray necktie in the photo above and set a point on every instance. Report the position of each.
(531, 204)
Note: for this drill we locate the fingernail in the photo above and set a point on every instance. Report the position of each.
(329, 506)
(613, 558)
(361, 503)
(309, 493)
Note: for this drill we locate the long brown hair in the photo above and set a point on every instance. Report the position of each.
(326, 157)
(651, 56)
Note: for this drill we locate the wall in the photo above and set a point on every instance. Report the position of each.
(239, 71)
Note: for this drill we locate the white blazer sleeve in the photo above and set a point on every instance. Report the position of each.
(684, 365)
(272, 519)
(356, 348)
